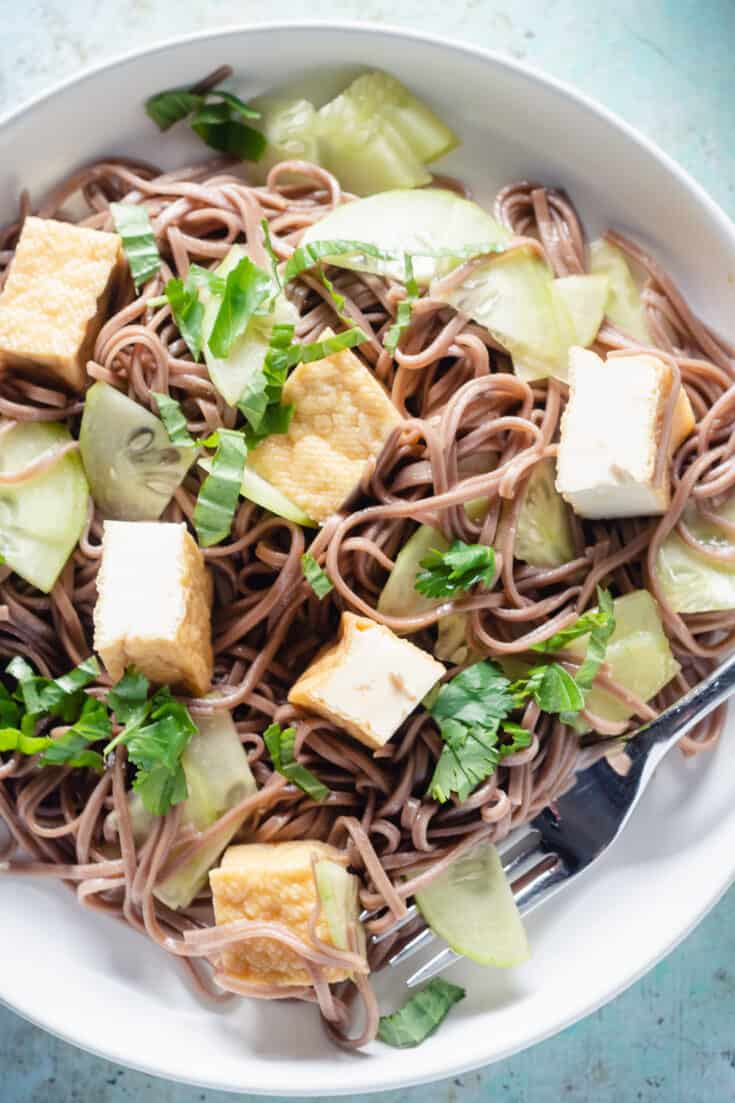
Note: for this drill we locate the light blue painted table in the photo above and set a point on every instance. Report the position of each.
(667, 67)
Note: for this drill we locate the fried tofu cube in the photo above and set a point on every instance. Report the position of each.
(55, 298)
(154, 604)
(277, 883)
(611, 435)
(368, 682)
(342, 418)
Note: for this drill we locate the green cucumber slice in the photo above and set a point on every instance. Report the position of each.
(379, 93)
(691, 582)
(584, 299)
(638, 654)
(41, 519)
(231, 375)
(132, 466)
(472, 908)
(399, 597)
(257, 489)
(289, 124)
(543, 531)
(339, 899)
(431, 220)
(623, 306)
(451, 639)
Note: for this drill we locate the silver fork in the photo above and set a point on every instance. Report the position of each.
(567, 838)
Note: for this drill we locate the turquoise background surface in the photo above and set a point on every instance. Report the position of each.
(667, 67)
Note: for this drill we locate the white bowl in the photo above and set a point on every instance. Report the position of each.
(101, 986)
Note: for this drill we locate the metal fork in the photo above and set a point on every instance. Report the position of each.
(567, 838)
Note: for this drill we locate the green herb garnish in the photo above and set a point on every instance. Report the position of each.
(460, 568)
(139, 242)
(316, 576)
(405, 306)
(173, 418)
(420, 1015)
(248, 291)
(188, 312)
(220, 491)
(216, 116)
(280, 744)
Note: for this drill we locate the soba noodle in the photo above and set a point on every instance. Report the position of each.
(455, 388)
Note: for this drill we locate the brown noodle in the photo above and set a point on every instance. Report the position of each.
(461, 403)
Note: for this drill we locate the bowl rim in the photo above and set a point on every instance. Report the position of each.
(530, 73)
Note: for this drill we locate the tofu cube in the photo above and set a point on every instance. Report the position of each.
(153, 605)
(611, 435)
(275, 882)
(55, 298)
(341, 421)
(368, 682)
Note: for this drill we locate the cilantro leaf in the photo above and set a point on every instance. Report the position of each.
(60, 697)
(173, 419)
(72, 748)
(600, 618)
(139, 242)
(598, 641)
(280, 746)
(220, 491)
(460, 568)
(405, 306)
(554, 689)
(247, 289)
(128, 699)
(316, 576)
(478, 695)
(188, 312)
(420, 1015)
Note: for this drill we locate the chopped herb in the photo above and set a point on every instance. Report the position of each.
(307, 256)
(220, 491)
(188, 312)
(420, 1015)
(403, 313)
(247, 290)
(155, 749)
(60, 697)
(72, 747)
(599, 624)
(272, 256)
(216, 116)
(459, 568)
(173, 418)
(129, 699)
(316, 576)
(553, 689)
(139, 242)
(280, 746)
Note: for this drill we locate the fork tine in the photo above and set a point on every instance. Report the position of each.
(433, 967)
(423, 938)
(411, 913)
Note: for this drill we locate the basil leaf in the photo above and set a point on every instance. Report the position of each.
(247, 289)
(420, 1015)
(307, 256)
(220, 491)
(458, 568)
(173, 418)
(316, 576)
(188, 312)
(280, 746)
(405, 306)
(139, 242)
(229, 136)
(172, 105)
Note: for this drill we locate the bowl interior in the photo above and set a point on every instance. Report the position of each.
(101, 986)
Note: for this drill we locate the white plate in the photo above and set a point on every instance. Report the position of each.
(102, 987)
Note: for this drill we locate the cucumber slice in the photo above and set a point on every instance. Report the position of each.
(399, 598)
(289, 124)
(218, 777)
(257, 489)
(42, 518)
(431, 220)
(132, 466)
(638, 654)
(380, 94)
(584, 299)
(623, 306)
(451, 639)
(472, 908)
(231, 375)
(543, 532)
(339, 899)
(691, 582)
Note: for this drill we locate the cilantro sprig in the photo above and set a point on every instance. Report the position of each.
(281, 743)
(473, 711)
(444, 574)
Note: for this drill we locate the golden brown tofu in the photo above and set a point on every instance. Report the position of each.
(274, 882)
(342, 419)
(368, 682)
(55, 298)
(153, 606)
